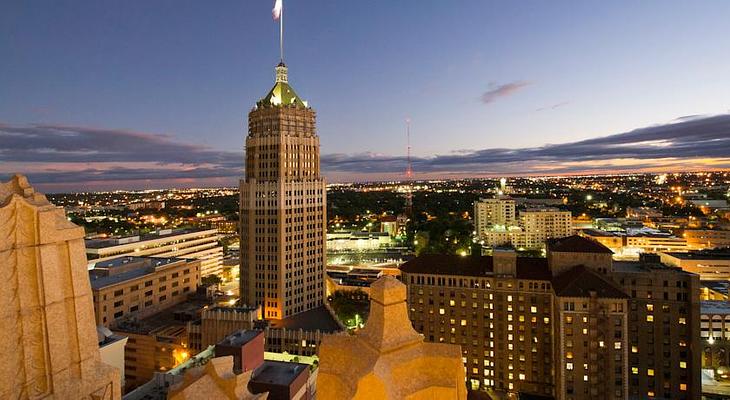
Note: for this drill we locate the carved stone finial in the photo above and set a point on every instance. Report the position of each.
(215, 380)
(388, 359)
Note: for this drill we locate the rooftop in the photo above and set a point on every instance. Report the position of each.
(701, 255)
(315, 319)
(476, 266)
(281, 94)
(123, 269)
(167, 321)
(279, 373)
(576, 244)
(642, 267)
(239, 338)
(122, 240)
(580, 281)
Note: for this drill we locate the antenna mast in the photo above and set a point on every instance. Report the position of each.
(409, 171)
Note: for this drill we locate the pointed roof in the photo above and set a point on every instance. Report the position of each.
(281, 94)
(577, 244)
(581, 281)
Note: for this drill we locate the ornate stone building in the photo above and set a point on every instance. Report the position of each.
(49, 345)
(283, 218)
(574, 325)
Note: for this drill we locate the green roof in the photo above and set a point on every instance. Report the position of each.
(281, 94)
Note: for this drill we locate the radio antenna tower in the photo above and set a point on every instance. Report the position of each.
(409, 171)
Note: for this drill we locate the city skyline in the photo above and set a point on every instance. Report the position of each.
(154, 96)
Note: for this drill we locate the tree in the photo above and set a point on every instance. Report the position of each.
(211, 280)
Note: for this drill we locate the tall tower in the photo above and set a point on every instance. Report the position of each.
(283, 200)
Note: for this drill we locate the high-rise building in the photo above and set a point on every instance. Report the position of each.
(574, 325)
(490, 212)
(496, 224)
(541, 224)
(283, 200)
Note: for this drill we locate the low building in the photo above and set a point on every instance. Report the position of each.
(136, 287)
(631, 243)
(715, 333)
(709, 265)
(354, 241)
(111, 349)
(199, 244)
(642, 213)
(158, 343)
(706, 238)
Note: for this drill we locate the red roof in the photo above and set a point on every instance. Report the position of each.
(475, 266)
(581, 281)
(576, 244)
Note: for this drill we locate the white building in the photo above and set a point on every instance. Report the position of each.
(498, 211)
(198, 244)
(533, 228)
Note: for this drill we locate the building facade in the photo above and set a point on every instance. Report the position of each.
(491, 212)
(709, 265)
(137, 287)
(573, 325)
(283, 200)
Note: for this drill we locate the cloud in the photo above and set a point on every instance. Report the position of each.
(495, 91)
(73, 144)
(553, 106)
(699, 139)
(77, 157)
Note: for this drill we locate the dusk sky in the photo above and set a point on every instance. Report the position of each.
(152, 94)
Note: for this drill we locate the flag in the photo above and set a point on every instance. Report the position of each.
(276, 12)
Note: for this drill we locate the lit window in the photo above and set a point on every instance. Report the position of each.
(634, 370)
(463, 322)
(617, 345)
(533, 309)
(522, 377)
(634, 349)
(585, 378)
(683, 364)
(569, 366)
(649, 318)
(650, 372)
(441, 311)
(650, 307)
(683, 386)
(682, 321)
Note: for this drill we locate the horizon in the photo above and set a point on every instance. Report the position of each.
(386, 181)
(134, 96)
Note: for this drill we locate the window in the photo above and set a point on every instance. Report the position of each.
(118, 293)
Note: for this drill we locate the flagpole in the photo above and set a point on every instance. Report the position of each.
(281, 33)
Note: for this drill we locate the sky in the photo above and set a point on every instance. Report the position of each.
(100, 94)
